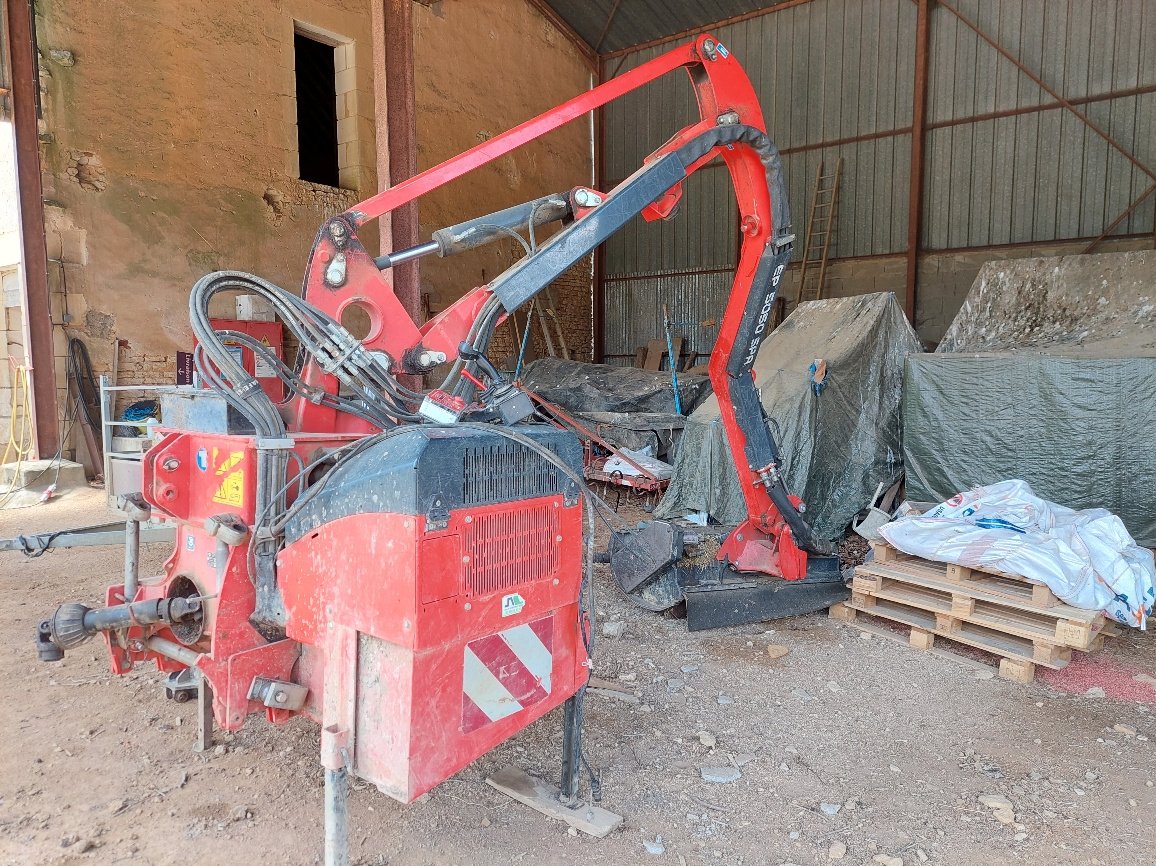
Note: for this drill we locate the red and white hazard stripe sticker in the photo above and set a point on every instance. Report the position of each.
(506, 672)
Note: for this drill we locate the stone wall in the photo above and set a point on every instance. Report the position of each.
(184, 160)
(944, 278)
(509, 64)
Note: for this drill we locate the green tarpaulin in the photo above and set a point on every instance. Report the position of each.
(1077, 428)
(838, 445)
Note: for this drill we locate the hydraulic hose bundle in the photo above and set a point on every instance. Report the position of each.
(377, 397)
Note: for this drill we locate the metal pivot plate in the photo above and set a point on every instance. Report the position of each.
(746, 601)
(637, 555)
(277, 694)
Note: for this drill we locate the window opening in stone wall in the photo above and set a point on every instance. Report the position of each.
(314, 65)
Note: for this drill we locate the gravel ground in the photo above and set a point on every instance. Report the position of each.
(842, 747)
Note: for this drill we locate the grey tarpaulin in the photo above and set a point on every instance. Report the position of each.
(586, 388)
(837, 446)
(1077, 428)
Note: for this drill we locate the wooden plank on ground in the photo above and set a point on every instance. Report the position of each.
(538, 795)
(865, 624)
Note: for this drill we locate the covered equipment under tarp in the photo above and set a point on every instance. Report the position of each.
(588, 388)
(1103, 301)
(1047, 374)
(628, 407)
(838, 444)
(1076, 427)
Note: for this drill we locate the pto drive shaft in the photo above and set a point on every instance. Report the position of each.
(73, 623)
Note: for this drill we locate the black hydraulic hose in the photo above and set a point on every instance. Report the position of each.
(330, 344)
(805, 536)
(761, 144)
(258, 408)
(292, 379)
(87, 392)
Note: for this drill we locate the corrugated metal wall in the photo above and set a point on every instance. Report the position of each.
(835, 78)
(1041, 175)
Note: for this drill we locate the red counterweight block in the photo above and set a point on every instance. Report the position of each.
(268, 333)
(466, 632)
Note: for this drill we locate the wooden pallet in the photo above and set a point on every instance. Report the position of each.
(996, 601)
(1017, 669)
(990, 580)
(1021, 622)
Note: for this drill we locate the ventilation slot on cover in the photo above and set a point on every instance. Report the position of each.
(506, 472)
(510, 548)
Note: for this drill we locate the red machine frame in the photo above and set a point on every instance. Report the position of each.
(205, 481)
(765, 542)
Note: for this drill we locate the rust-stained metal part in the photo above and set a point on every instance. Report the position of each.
(918, 142)
(648, 480)
(401, 123)
(1123, 215)
(37, 304)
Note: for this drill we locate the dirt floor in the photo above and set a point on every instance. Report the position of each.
(847, 745)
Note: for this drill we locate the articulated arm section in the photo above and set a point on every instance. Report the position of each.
(342, 273)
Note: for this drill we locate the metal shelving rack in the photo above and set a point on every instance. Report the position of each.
(122, 464)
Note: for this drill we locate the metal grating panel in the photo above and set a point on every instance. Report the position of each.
(505, 472)
(634, 310)
(509, 548)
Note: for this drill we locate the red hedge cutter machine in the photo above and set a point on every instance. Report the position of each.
(410, 570)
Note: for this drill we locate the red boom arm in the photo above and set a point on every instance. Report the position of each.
(342, 274)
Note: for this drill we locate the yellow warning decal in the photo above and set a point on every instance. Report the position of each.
(231, 489)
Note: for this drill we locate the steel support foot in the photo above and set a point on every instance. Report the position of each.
(562, 803)
(336, 817)
(204, 716)
(571, 748)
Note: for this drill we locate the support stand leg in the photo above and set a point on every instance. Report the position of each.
(571, 748)
(204, 716)
(336, 818)
(131, 559)
(561, 804)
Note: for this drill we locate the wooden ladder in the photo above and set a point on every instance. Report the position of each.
(820, 228)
